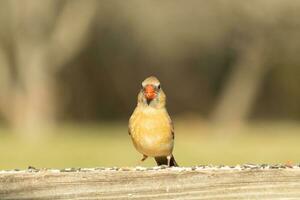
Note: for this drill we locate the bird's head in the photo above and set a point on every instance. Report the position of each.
(151, 93)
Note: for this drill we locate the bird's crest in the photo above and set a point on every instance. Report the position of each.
(151, 80)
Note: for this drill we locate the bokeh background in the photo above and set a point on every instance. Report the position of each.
(70, 71)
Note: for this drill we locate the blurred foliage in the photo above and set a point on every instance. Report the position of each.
(191, 46)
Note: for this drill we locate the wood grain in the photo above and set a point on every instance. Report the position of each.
(153, 183)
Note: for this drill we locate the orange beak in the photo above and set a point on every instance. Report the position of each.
(149, 92)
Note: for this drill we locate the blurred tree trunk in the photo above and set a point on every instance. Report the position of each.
(34, 99)
(44, 40)
(243, 84)
(5, 83)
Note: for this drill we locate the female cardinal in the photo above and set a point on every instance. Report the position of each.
(150, 125)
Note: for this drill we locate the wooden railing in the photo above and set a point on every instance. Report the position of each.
(201, 182)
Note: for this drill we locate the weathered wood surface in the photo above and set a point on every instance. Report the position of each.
(241, 182)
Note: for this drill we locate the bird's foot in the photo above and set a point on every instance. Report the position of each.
(142, 160)
(169, 160)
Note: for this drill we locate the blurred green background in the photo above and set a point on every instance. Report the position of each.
(70, 71)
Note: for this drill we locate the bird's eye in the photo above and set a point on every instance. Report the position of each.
(158, 86)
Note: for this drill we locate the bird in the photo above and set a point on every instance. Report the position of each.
(150, 126)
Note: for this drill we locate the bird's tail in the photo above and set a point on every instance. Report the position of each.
(164, 161)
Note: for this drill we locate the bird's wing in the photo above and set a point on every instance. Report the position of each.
(129, 130)
(129, 126)
(172, 128)
(130, 122)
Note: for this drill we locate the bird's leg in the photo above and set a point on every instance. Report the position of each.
(143, 159)
(169, 159)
